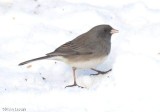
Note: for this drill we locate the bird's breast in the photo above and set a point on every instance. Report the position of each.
(81, 61)
(90, 63)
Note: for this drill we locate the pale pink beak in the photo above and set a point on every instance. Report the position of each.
(114, 31)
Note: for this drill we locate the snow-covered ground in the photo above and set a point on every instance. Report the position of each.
(32, 28)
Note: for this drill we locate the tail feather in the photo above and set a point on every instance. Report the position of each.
(36, 59)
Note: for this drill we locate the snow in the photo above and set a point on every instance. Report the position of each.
(32, 28)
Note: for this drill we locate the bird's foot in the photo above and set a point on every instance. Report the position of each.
(75, 84)
(100, 72)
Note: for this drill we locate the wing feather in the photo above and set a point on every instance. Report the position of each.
(74, 47)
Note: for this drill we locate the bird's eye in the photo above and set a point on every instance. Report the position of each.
(105, 30)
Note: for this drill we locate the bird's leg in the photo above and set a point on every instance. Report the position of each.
(74, 77)
(100, 72)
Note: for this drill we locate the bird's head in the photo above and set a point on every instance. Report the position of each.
(104, 30)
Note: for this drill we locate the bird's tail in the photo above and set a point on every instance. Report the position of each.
(36, 59)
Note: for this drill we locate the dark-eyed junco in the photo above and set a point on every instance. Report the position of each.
(86, 51)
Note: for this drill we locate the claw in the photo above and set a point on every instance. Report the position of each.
(75, 84)
(100, 72)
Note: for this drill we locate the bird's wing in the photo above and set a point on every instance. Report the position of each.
(74, 47)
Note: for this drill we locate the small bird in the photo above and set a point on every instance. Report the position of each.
(86, 51)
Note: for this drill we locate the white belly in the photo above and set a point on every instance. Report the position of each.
(81, 64)
(87, 64)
